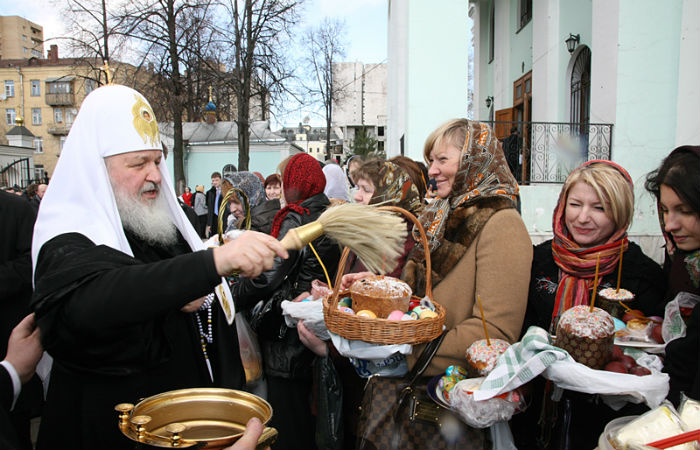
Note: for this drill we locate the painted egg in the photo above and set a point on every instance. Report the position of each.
(456, 371)
(367, 313)
(345, 301)
(427, 314)
(407, 316)
(395, 315)
(345, 309)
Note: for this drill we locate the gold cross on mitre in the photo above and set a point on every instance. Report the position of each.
(108, 72)
(210, 94)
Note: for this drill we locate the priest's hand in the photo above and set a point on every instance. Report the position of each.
(24, 348)
(249, 255)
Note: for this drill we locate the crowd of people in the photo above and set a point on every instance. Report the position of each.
(108, 274)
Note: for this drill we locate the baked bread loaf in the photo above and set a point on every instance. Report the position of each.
(587, 335)
(482, 357)
(611, 300)
(380, 294)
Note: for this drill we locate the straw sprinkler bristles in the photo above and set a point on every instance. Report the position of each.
(375, 236)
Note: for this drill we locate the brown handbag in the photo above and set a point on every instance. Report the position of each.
(397, 413)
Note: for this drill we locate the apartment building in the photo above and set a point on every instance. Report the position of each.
(20, 38)
(46, 94)
(363, 104)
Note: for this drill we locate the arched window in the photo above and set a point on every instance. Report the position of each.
(581, 87)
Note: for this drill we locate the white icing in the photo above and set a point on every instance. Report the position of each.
(579, 321)
(487, 355)
(612, 294)
(392, 287)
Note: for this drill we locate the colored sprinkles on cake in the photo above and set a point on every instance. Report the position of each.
(613, 294)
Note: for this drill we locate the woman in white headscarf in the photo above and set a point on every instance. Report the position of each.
(336, 187)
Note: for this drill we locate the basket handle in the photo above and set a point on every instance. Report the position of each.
(424, 241)
(224, 202)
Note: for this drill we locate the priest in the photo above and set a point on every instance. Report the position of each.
(128, 301)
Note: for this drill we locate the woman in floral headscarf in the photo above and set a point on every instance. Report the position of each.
(478, 243)
(287, 362)
(391, 183)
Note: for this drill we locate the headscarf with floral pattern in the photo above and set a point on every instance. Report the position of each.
(396, 188)
(483, 172)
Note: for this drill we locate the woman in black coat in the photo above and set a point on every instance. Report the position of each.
(287, 362)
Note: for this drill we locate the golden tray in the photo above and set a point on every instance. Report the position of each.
(210, 418)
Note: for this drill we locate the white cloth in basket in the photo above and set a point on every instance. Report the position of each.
(533, 355)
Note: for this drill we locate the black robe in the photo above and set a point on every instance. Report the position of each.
(16, 226)
(114, 327)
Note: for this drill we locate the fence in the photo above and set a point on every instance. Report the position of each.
(545, 152)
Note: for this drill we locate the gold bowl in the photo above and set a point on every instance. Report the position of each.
(211, 418)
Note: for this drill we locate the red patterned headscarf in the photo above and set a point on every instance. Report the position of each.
(303, 178)
(576, 263)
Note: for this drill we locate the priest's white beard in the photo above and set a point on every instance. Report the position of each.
(149, 221)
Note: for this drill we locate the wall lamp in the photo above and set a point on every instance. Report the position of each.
(572, 41)
(489, 101)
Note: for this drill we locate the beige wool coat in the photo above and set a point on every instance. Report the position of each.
(496, 266)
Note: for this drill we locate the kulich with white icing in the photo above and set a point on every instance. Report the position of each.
(380, 294)
(612, 294)
(586, 335)
(482, 357)
(583, 322)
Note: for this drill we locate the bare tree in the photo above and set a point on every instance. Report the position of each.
(165, 30)
(325, 47)
(93, 34)
(256, 32)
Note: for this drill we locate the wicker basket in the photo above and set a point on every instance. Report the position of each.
(383, 331)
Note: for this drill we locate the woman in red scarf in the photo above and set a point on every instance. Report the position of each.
(594, 211)
(595, 208)
(287, 362)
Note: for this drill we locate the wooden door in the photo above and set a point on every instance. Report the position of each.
(502, 130)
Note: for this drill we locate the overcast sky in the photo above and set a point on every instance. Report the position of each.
(365, 21)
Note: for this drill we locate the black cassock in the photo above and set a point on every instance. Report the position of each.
(115, 330)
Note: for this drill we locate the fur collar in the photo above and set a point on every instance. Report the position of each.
(463, 226)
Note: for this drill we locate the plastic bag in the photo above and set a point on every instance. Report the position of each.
(501, 436)
(329, 418)
(373, 359)
(393, 366)
(689, 411)
(311, 312)
(659, 423)
(251, 357)
(367, 350)
(674, 325)
(483, 413)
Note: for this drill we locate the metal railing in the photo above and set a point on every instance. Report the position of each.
(546, 152)
(17, 173)
(60, 99)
